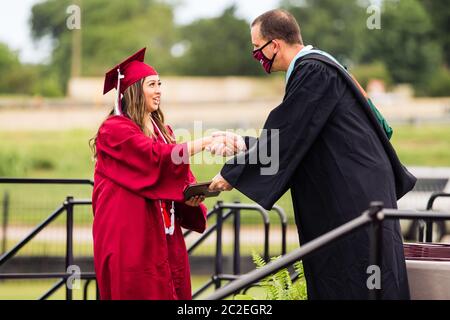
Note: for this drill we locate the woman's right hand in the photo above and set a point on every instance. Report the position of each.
(198, 145)
(195, 201)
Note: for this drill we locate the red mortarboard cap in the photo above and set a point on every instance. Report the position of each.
(133, 69)
(125, 74)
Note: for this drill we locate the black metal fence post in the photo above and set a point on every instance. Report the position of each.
(376, 252)
(429, 231)
(284, 224)
(5, 221)
(429, 222)
(97, 290)
(69, 242)
(421, 231)
(266, 241)
(219, 253)
(237, 241)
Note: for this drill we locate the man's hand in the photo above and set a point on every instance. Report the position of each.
(226, 144)
(220, 184)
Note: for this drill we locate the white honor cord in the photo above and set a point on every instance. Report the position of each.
(117, 109)
(171, 229)
(157, 128)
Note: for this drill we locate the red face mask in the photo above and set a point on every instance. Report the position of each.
(265, 62)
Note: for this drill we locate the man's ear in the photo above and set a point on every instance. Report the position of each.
(277, 46)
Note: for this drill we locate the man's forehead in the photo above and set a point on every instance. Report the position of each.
(256, 34)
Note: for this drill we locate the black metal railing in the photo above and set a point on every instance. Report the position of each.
(224, 212)
(46, 181)
(429, 222)
(67, 207)
(374, 216)
(5, 220)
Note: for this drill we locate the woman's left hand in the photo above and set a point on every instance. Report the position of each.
(195, 201)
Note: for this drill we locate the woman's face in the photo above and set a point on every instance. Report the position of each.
(152, 92)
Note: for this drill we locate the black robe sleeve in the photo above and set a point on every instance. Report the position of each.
(299, 120)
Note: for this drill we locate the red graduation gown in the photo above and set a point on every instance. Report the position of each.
(133, 257)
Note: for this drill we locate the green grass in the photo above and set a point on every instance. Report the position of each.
(33, 289)
(66, 154)
(46, 154)
(423, 145)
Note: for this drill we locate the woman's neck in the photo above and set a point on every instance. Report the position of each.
(149, 125)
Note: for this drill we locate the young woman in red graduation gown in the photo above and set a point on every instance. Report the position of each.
(140, 175)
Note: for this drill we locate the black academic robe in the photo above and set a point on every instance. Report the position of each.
(336, 159)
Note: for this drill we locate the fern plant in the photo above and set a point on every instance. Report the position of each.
(279, 286)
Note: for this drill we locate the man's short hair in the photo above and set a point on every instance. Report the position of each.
(279, 24)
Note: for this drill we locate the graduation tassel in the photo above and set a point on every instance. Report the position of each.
(117, 109)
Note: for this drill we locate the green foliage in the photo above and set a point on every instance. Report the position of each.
(16, 78)
(49, 154)
(408, 43)
(26, 79)
(219, 46)
(12, 164)
(48, 87)
(438, 86)
(111, 30)
(440, 13)
(18, 163)
(366, 72)
(409, 48)
(404, 43)
(336, 26)
(279, 286)
(8, 59)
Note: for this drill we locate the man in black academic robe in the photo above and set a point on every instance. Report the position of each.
(333, 155)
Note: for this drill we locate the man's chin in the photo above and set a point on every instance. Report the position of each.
(275, 69)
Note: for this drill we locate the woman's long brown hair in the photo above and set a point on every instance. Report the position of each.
(133, 107)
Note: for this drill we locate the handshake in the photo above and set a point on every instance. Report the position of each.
(225, 144)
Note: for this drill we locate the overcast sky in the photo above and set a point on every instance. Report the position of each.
(15, 30)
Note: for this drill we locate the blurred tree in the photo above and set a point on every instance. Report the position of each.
(404, 43)
(440, 13)
(16, 78)
(376, 70)
(8, 60)
(111, 30)
(218, 47)
(336, 26)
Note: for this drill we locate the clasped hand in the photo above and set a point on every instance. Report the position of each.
(226, 144)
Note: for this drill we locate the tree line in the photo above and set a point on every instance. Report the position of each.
(411, 45)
